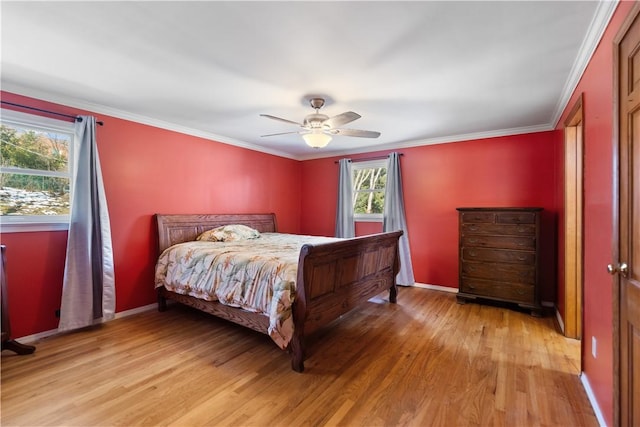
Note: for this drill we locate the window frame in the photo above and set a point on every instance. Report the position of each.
(367, 164)
(29, 223)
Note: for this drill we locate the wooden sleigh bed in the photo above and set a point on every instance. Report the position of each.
(332, 278)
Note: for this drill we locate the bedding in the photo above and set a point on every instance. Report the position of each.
(252, 270)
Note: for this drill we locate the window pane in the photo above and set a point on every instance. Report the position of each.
(33, 195)
(369, 202)
(34, 149)
(381, 178)
(368, 179)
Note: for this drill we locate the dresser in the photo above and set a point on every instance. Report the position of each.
(499, 255)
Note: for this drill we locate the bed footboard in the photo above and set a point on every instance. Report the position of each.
(333, 278)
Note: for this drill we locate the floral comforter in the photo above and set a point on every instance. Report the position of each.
(258, 275)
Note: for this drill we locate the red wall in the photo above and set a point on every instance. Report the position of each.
(508, 171)
(596, 85)
(35, 265)
(146, 170)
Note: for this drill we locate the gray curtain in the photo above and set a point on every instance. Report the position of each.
(394, 218)
(345, 226)
(88, 293)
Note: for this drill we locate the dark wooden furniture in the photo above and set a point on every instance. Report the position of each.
(333, 278)
(7, 342)
(499, 255)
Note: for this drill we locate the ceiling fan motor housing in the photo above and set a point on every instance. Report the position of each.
(314, 121)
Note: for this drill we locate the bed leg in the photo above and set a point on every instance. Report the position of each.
(393, 294)
(296, 351)
(162, 303)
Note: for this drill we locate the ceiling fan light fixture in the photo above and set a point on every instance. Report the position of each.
(318, 128)
(316, 139)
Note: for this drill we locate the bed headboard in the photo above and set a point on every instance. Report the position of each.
(175, 228)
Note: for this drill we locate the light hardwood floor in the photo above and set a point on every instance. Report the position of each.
(425, 361)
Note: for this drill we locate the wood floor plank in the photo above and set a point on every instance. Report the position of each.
(426, 361)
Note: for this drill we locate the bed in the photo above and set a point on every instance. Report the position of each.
(332, 277)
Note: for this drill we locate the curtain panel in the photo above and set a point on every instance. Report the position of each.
(394, 218)
(345, 225)
(88, 293)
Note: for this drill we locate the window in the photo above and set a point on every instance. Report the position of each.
(36, 157)
(369, 180)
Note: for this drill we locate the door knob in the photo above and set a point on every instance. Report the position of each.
(621, 268)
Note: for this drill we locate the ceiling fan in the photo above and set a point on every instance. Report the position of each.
(317, 129)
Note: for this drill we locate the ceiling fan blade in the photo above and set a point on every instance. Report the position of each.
(282, 133)
(356, 132)
(341, 119)
(280, 119)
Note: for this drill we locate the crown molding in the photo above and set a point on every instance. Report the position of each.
(137, 118)
(434, 141)
(598, 25)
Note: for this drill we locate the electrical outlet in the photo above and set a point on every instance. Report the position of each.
(593, 347)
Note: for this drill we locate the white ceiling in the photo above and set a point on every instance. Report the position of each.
(419, 72)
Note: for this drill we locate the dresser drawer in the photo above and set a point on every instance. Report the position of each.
(516, 218)
(499, 271)
(499, 229)
(504, 291)
(498, 255)
(473, 217)
(504, 242)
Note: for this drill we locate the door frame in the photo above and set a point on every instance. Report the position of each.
(615, 234)
(573, 219)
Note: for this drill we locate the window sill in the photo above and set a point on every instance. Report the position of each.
(368, 219)
(28, 227)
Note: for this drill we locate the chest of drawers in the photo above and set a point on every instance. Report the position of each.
(499, 255)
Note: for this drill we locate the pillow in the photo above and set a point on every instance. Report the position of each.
(229, 233)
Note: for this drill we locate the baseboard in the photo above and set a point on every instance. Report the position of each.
(592, 399)
(51, 332)
(560, 321)
(36, 337)
(136, 310)
(435, 287)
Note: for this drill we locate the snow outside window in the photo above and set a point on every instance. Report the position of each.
(36, 158)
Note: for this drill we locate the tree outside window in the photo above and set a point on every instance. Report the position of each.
(369, 181)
